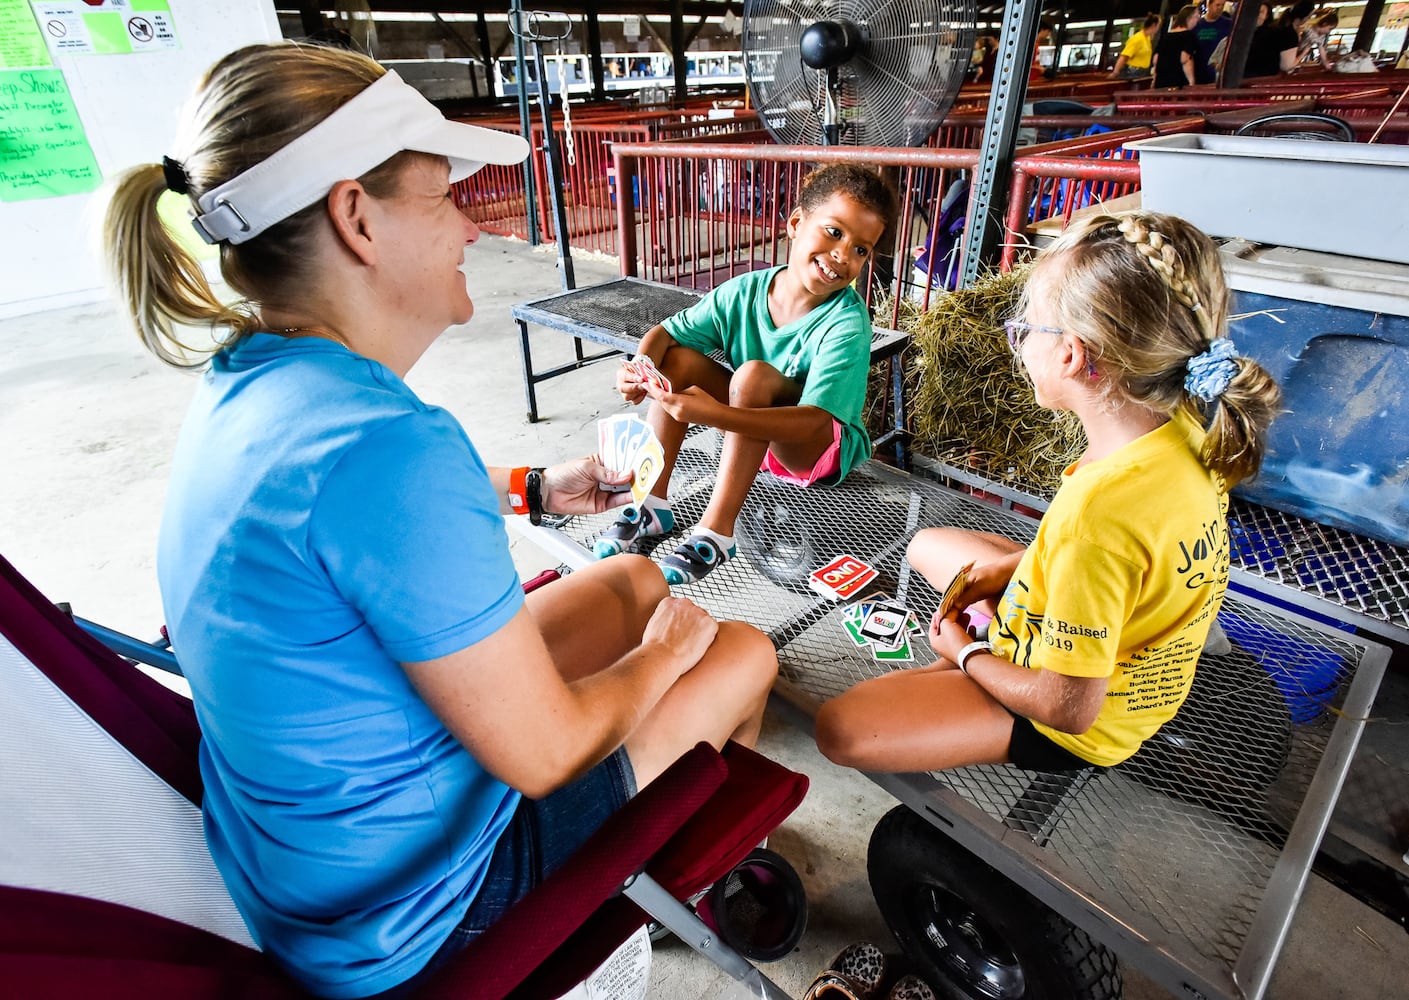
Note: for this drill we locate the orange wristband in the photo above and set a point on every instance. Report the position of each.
(518, 490)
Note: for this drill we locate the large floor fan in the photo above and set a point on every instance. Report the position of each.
(856, 72)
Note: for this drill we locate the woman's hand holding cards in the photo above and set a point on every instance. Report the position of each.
(574, 487)
(682, 627)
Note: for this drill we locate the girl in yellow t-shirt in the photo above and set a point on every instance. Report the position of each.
(1098, 624)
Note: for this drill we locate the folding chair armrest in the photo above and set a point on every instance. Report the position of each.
(757, 796)
(535, 926)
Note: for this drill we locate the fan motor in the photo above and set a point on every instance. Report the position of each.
(829, 44)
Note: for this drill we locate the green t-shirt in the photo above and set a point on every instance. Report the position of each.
(828, 351)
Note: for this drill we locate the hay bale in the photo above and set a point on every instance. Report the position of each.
(971, 404)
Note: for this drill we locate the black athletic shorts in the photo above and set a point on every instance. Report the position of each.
(1032, 751)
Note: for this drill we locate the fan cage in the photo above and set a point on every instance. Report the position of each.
(894, 92)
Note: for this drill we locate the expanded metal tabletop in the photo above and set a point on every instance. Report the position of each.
(1187, 860)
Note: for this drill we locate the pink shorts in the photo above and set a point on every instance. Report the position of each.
(828, 465)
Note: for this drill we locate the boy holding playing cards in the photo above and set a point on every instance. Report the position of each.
(798, 343)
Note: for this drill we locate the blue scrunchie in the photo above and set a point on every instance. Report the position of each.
(1210, 373)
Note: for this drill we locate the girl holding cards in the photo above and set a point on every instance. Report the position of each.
(798, 343)
(397, 741)
(1098, 624)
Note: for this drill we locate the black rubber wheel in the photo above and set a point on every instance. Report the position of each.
(971, 932)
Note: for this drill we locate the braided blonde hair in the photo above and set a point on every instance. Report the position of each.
(1146, 294)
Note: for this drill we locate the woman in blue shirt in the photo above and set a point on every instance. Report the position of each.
(397, 743)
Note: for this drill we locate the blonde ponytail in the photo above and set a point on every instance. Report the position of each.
(1146, 294)
(159, 281)
(251, 104)
(1237, 425)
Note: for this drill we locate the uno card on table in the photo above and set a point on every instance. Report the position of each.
(841, 579)
(883, 626)
(955, 588)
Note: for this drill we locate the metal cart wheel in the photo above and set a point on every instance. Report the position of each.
(972, 933)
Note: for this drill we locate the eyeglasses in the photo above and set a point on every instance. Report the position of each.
(1017, 332)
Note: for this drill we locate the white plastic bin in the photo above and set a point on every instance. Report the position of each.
(1336, 197)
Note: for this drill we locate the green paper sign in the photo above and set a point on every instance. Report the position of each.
(44, 151)
(21, 42)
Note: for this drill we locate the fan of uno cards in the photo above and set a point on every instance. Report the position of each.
(645, 369)
(627, 442)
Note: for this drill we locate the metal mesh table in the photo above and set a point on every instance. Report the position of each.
(1188, 859)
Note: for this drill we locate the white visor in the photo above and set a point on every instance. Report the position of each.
(386, 118)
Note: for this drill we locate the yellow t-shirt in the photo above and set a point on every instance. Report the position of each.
(1123, 580)
(1138, 51)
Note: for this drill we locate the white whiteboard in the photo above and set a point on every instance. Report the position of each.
(129, 106)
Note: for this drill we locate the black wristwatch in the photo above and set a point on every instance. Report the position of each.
(533, 495)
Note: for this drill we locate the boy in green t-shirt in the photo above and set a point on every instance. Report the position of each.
(797, 340)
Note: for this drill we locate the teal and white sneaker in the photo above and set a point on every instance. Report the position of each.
(632, 524)
(695, 557)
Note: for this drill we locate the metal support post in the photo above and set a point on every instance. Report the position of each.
(594, 52)
(310, 17)
(677, 47)
(1369, 22)
(530, 195)
(482, 30)
(552, 157)
(1235, 59)
(983, 236)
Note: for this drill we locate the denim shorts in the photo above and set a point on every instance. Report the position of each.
(540, 837)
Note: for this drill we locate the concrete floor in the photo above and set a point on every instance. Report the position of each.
(88, 421)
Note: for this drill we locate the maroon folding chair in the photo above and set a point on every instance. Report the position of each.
(129, 904)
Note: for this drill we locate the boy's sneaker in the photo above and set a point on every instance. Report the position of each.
(632, 524)
(694, 558)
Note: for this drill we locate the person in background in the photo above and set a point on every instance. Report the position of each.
(1093, 630)
(396, 742)
(1044, 39)
(988, 67)
(1210, 30)
(1173, 63)
(1135, 59)
(1274, 46)
(1313, 49)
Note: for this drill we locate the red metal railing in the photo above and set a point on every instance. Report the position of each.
(494, 196)
(1053, 180)
(704, 212)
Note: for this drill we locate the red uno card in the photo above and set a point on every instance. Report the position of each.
(842, 578)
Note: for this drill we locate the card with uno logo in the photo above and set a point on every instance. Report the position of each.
(842, 578)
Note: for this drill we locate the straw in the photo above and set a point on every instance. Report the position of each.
(971, 405)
